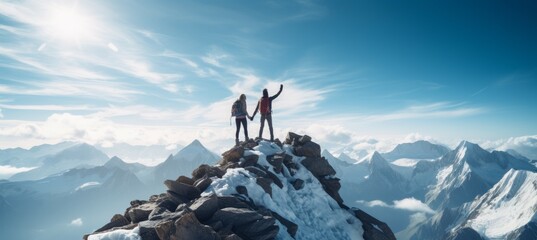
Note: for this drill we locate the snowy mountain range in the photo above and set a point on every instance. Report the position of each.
(417, 150)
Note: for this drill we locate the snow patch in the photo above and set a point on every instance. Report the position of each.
(87, 185)
(133, 234)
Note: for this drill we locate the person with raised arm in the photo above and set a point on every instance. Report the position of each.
(264, 105)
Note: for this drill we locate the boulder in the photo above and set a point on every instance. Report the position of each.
(257, 171)
(278, 142)
(204, 207)
(277, 162)
(265, 184)
(232, 237)
(176, 198)
(117, 220)
(298, 184)
(292, 228)
(275, 179)
(291, 136)
(203, 183)
(332, 186)
(141, 212)
(262, 229)
(319, 167)
(148, 231)
(185, 180)
(374, 229)
(308, 149)
(304, 139)
(230, 201)
(158, 213)
(188, 227)
(241, 190)
(236, 216)
(168, 204)
(250, 160)
(207, 171)
(164, 229)
(233, 155)
(188, 191)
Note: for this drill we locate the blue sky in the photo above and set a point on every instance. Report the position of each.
(144, 72)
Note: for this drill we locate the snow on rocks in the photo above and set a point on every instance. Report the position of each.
(258, 190)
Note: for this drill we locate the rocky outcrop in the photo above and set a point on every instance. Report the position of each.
(191, 209)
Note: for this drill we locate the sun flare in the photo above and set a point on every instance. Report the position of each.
(69, 24)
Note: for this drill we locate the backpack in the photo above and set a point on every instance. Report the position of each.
(236, 109)
(264, 105)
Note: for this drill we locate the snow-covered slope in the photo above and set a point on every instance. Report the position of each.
(507, 207)
(416, 150)
(470, 171)
(79, 155)
(292, 187)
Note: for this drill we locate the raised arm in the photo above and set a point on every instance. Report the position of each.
(277, 94)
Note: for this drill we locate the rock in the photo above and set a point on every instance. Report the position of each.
(292, 228)
(278, 142)
(241, 190)
(176, 198)
(257, 171)
(250, 160)
(188, 227)
(275, 179)
(236, 216)
(158, 213)
(204, 207)
(332, 186)
(185, 180)
(233, 155)
(261, 229)
(277, 162)
(291, 136)
(164, 229)
(117, 220)
(230, 201)
(298, 184)
(148, 231)
(265, 184)
(203, 183)
(207, 171)
(188, 191)
(374, 229)
(319, 167)
(304, 139)
(141, 212)
(309, 149)
(232, 237)
(168, 204)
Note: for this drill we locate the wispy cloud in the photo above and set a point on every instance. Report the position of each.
(408, 204)
(433, 110)
(45, 107)
(77, 222)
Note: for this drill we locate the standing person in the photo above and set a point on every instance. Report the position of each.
(265, 109)
(240, 112)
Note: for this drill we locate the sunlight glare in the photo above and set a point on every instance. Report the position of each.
(69, 24)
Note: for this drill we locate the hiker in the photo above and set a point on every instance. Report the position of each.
(265, 109)
(239, 111)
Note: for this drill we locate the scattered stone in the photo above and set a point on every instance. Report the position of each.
(188, 227)
(168, 204)
(207, 171)
(241, 190)
(236, 216)
(265, 184)
(141, 212)
(319, 167)
(304, 139)
(188, 191)
(185, 180)
(233, 155)
(230, 201)
(257, 171)
(277, 162)
(298, 184)
(158, 213)
(275, 179)
(373, 228)
(262, 229)
(278, 142)
(292, 228)
(291, 136)
(203, 183)
(176, 198)
(309, 149)
(117, 220)
(250, 160)
(204, 207)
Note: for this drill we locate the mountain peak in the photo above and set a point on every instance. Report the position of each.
(468, 145)
(114, 161)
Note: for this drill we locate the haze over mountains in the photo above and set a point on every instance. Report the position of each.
(422, 190)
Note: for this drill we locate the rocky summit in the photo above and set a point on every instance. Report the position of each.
(258, 190)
